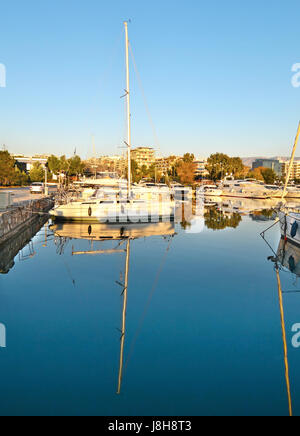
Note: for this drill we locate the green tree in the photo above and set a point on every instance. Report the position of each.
(20, 178)
(135, 173)
(54, 164)
(63, 165)
(37, 173)
(218, 166)
(7, 168)
(269, 176)
(236, 167)
(188, 158)
(75, 166)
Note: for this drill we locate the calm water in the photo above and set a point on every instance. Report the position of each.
(203, 332)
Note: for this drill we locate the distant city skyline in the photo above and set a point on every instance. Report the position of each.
(218, 77)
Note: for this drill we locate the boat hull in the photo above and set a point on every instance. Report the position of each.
(113, 212)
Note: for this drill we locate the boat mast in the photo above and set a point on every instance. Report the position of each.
(291, 163)
(128, 143)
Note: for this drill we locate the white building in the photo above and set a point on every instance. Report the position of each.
(27, 162)
(201, 170)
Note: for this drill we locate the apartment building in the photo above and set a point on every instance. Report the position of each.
(295, 173)
(144, 156)
(273, 164)
(201, 170)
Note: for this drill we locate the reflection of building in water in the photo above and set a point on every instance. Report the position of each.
(264, 215)
(10, 248)
(247, 206)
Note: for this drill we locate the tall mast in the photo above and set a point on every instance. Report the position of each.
(128, 109)
(291, 163)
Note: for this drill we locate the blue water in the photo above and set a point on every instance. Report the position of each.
(203, 331)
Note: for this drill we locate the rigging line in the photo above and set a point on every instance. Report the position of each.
(262, 234)
(275, 254)
(144, 98)
(143, 317)
(269, 228)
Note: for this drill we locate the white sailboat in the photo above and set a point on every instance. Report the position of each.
(129, 206)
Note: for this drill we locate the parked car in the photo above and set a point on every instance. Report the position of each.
(37, 188)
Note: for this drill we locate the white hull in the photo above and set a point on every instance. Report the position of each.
(245, 194)
(214, 193)
(210, 191)
(114, 211)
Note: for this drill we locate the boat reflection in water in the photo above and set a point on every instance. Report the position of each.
(124, 234)
(289, 256)
(106, 232)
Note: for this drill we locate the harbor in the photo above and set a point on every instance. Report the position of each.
(149, 212)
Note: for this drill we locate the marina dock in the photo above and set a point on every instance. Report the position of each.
(21, 214)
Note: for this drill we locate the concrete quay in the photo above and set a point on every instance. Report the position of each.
(21, 214)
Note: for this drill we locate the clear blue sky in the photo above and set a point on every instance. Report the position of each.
(217, 75)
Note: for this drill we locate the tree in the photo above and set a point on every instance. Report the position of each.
(37, 173)
(256, 173)
(54, 165)
(75, 166)
(186, 172)
(135, 174)
(7, 168)
(20, 178)
(218, 166)
(269, 175)
(63, 165)
(237, 167)
(188, 158)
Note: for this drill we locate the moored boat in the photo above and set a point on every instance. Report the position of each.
(113, 210)
(210, 191)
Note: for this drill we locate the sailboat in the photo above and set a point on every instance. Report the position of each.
(121, 206)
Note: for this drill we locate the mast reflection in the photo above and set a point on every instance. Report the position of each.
(113, 232)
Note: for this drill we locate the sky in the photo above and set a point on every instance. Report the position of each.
(217, 76)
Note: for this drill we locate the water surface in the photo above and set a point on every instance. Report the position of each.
(203, 332)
